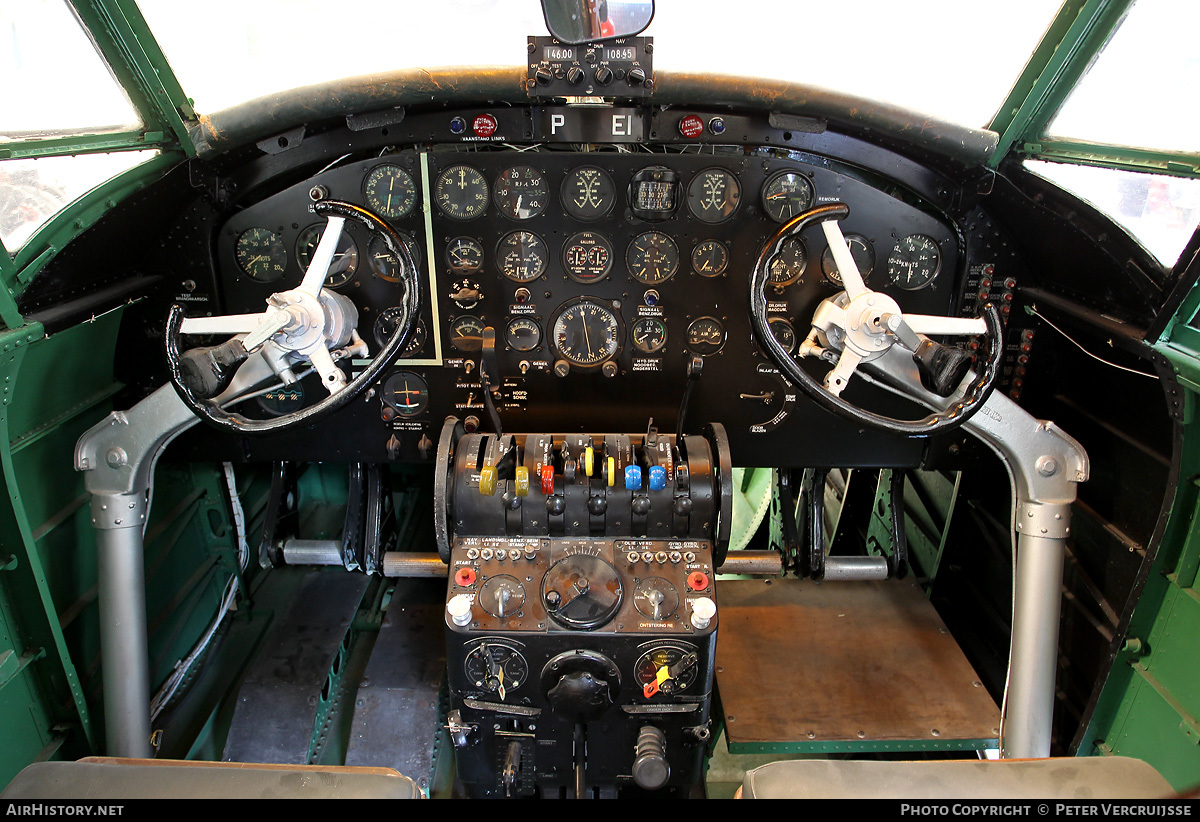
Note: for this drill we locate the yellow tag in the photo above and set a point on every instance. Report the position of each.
(487, 480)
(664, 673)
(588, 461)
(522, 481)
(612, 472)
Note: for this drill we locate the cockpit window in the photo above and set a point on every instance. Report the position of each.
(943, 57)
(1140, 89)
(1160, 211)
(33, 191)
(52, 79)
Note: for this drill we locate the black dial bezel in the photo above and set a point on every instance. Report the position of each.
(657, 235)
(501, 265)
(410, 200)
(479, 184)
(775, 213)
(616, 337)
(609, 198)
(277, 255)
(926, 281)
(695, 195)
(503, 202)
(577, 239)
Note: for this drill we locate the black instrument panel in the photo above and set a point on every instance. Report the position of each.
(601, 274)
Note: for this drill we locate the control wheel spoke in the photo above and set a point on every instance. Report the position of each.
(852, 280)
(224, 324)
(954, 326)
(331, 376)
(318, 268)
(837, 379)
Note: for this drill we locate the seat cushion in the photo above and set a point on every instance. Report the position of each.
(114, 778)
(1091, 777)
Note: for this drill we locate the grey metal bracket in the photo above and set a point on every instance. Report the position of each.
(118, 456)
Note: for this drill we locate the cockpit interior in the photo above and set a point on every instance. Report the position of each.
(587, 427)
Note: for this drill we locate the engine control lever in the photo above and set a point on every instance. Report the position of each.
(694, 368)
(489, 370)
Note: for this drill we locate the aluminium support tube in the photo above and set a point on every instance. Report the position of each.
(118, 521)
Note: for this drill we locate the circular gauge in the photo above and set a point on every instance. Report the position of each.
(461, 193)
(652, 258)
(783, 332)
(523, 334)
(587, 257)
(464, 255)
(649, 335)
(261, 254)
(582, 591)
(862, 252)
(588, 193)
(285, 399)
(384, 264)
(710, 258)
(586, 333)
(786, 194)
(521, 192)
(915, 261)
(656, 598)
(681, 664)
(390, 191)
(407, 393)
(466, 333)
(706, 335)
(496, 667)
(713, 195)
(345, 258)
(522, 256)
(788, 265)
(502, 596)
(388, 322)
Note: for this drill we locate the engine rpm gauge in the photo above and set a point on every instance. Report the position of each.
(652, 258)
(464, 255)
(461, 193)
(586, 333)
(390, 191)
(522, 256)
(861, 251)
(261, 254)
(649, 335)
(521, 192)
(786, 194)
(713, 195)
(588, 193)
(587, 257)
(788, 265)
(706, 335)
(914, 262)
(345, 257)
(710, 258)
(523, 334)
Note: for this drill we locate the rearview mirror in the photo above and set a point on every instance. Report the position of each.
(589, 21)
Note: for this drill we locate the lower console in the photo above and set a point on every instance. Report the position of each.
(581, 613)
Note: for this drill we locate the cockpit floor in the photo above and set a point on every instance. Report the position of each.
(844, 667)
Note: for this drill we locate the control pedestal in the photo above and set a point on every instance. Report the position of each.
(581, 614)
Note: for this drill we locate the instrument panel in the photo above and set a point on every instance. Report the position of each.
(601, 274)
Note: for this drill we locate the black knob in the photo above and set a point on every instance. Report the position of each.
(580, 695)
(683, 506)
(543, 77)
(575, 75)
(556, 505)
(636, 76)
(641, 506)
(604, 75)
(597, 506)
